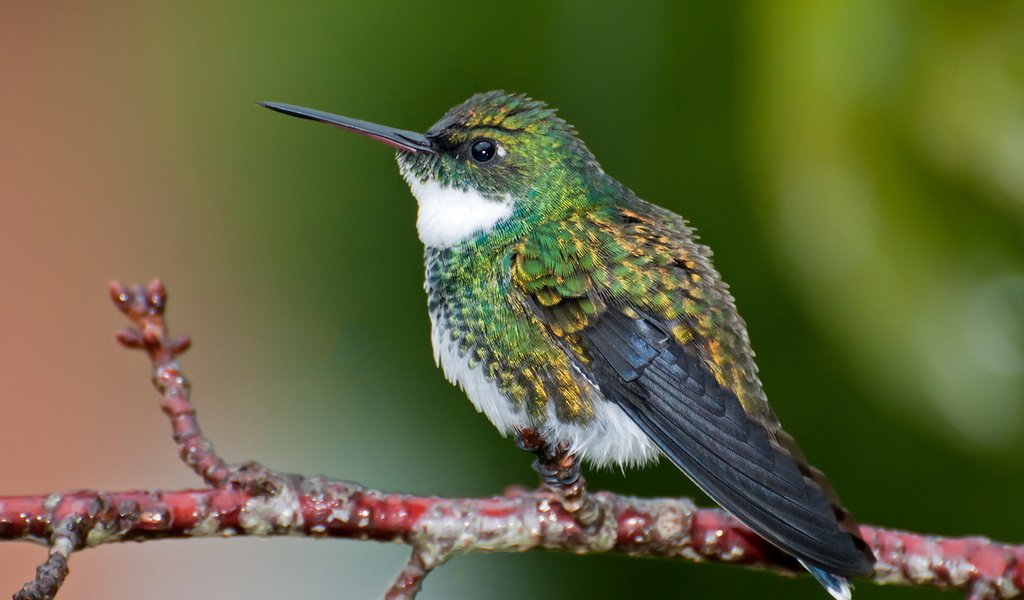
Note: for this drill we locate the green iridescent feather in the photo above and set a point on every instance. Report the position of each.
(578, 242)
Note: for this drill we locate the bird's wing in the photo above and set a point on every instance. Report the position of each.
(702, 428)
(668, 370)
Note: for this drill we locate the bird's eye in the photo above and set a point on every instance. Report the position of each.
(483, 150)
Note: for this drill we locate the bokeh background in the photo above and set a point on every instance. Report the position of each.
(858, 168)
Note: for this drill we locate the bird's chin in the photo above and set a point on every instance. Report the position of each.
(408, 168)
(420, 168)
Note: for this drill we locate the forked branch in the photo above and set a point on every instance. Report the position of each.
(249, 499)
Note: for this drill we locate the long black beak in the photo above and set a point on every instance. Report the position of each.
(406, 141)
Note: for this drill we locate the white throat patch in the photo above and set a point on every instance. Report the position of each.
(449, 215)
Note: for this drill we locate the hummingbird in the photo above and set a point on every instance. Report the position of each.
(591, 325)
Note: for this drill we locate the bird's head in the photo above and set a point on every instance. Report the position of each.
(493, 156)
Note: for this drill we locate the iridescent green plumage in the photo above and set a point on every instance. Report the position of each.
(570, 309)
(577, 241)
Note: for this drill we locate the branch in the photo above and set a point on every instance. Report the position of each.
(144, 307)
(249, 499)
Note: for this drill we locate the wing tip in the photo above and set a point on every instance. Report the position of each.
(836, 585)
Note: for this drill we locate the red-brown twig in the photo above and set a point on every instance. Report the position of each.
(250, 499)
(438, 528)
(144, 306)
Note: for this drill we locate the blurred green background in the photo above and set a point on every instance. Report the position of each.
(858, 168)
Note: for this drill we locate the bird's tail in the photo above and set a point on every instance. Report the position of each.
(836, 585)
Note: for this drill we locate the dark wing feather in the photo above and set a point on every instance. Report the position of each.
(702, 428)
(586, 281)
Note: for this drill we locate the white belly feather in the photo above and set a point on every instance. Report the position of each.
(611, 438)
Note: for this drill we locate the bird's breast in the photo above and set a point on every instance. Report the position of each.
(509, 370)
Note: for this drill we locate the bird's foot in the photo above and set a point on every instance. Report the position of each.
(556, 473)
(574, 498)
(559, 470)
